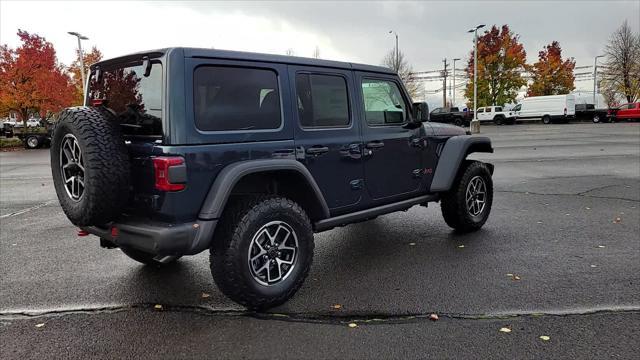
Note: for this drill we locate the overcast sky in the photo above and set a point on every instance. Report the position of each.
(351, 31)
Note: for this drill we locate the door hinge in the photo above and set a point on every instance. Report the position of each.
(357, 184)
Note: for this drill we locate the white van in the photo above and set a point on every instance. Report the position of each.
(549, 109)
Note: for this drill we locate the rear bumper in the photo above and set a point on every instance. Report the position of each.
(158, 237)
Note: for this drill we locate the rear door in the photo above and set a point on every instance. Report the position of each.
(327, 135)
(392, 151)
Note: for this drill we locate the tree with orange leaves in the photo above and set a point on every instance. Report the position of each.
(89, 58)
(551, 74)
(501, 61)
(31, 79)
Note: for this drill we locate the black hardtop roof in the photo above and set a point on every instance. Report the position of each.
(250, 56)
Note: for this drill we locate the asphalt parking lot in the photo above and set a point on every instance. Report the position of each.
(559, 257)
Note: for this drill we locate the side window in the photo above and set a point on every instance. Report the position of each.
(436, 111)
(481, 110)
(498, 109)
(230, 98)
(322, 100)
(383, 102)
(517, 107)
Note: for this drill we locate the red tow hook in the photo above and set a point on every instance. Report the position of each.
(82, 232)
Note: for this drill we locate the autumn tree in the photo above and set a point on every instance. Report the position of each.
(398, 63)
(31, 79)
(89, 58)
(551, 74)
(501, 61)
(622, 65)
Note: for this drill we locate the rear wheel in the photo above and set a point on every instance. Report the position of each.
(262, 252)
(546, 119)
(148, 259)
(32, 142)
(467, 205)
(596, 118)
(499, 120)
(458, 122)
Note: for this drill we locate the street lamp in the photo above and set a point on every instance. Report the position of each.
(397, 50)
(595, 79)
(80, 38)
(475, 124)
(453, 88)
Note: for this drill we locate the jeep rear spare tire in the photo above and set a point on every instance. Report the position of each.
(90, 166)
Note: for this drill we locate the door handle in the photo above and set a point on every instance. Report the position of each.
(317, 150)
(376, 144)
(416, 142)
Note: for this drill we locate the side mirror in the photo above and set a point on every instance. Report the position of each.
(421, 111)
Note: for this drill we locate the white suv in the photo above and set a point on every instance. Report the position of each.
(495, 114)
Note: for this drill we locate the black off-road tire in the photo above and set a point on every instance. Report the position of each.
(453, 202)
(106, 164)
(241, 220)
(499, 120)
(146, 258)
(546, 119)
(458, 122)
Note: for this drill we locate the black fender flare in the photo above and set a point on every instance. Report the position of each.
(229, 176)
(455, 150)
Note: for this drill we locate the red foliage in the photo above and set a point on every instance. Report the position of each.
(31, 79)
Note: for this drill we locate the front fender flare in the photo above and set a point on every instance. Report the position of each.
(454, 152)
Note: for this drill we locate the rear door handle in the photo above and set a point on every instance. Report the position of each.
(376, 144)
(317, 150)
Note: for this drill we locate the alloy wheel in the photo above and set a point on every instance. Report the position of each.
(273, 253)
(476, 196)
(72, 167)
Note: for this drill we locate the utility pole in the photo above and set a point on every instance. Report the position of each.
(595, 80)
(82, 70)
(475, 124)
(444, 83)
(453, 88)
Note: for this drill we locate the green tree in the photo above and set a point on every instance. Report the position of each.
(552, 75)
(501, 61)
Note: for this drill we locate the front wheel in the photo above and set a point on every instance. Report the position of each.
(499, 120)
(596, 118)
(546, 120)
(32, 142)
(466, 206)
(262, 252)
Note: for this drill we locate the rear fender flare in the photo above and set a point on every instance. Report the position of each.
(454, 152)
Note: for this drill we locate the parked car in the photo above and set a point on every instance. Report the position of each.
(552, 108)
(6, 130)
(248, 155)
(496, 114)
(589, 112)
(451, 115)
(629, 111)
(34, 138)
(31, 123)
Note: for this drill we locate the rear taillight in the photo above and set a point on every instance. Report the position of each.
(170, 173)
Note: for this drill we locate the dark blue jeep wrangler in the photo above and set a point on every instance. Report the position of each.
(180, 150)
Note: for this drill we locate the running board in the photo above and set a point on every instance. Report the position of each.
(330, 223)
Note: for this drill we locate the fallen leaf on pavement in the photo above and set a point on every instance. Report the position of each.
(205, 295)
(412, 244)
(617, 220)
(337, 306)
(601, 246)
(353, 325)
(539, 222)
(505, 330)
(516, 277)
(460, 246)
(545, 338)
(158, 307)
(40, 325)
(588, 208)
(433, 317)
(593, 266)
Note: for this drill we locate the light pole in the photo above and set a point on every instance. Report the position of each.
(453, 88)
(595, 79)
(80, 38)
(475, 124)
(397, 50)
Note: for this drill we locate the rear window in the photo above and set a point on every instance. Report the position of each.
(234, 98)
(135, 99)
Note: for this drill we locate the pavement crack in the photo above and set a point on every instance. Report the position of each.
(35, 207)
(328, 318)
(582, 193)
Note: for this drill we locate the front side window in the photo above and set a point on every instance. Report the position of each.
(230, 98)
(436, 111)
(517, 107)
(498, 109)
(322, 100)
(383, 102)
(481, 110)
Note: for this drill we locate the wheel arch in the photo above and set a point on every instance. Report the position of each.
(285, 177)
(454, 152)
